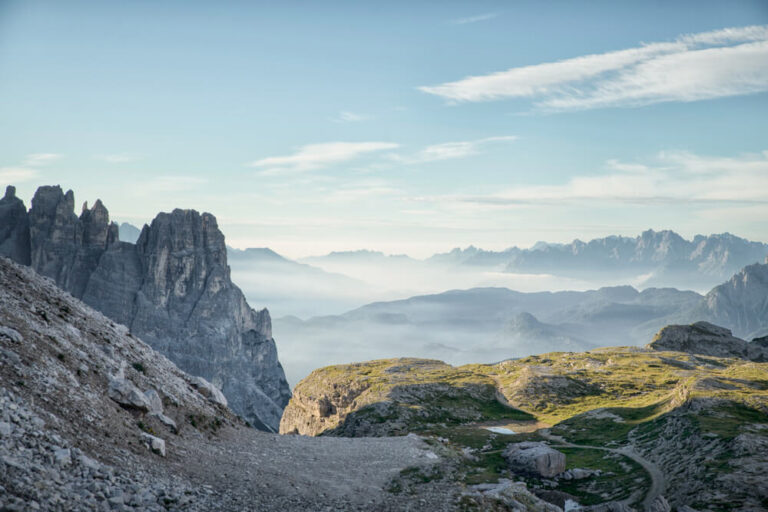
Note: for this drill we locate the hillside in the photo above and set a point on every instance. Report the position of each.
(697, 422)
(92, 418)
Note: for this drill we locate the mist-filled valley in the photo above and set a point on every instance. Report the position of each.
(472, 306)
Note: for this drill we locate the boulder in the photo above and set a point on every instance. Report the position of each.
(155, 444)
(209, 391)
(536, 458)
(155, 402)
(125, 393)
(11, 334)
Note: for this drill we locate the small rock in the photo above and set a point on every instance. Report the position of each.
(5, 429)
(63, 457)
(11, 334)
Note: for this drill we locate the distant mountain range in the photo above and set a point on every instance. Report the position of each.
(652, 259)
(666, 258)
(490, 324)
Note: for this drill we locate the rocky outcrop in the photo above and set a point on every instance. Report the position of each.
(707, 339)
(535, 458)
(172, 289)
(386, 397)
(14, 227)
(741, 303)
(65, 247)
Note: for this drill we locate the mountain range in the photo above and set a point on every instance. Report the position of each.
(172, 288)
(491, 324)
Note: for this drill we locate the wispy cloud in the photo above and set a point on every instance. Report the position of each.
(706, 65)
(349, 117)
(361, 191)
(474, 19)
(39, 159)
(119, 158)
(676, 177)
(11, 175)
(451, 150)
(174, 183)
(317, 156)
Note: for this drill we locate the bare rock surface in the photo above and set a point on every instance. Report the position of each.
(172, 288)
(536, 458)
(14, 227)
(65, 444)
(707, 339)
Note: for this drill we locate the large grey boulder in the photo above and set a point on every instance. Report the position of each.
(535, 458)
(125, 393)
(707, 339)
(154, 443)
(209, 391)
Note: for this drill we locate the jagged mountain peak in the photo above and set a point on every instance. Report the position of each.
(172, 288)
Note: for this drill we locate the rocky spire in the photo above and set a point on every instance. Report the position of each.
(172, 288)
(14, 227)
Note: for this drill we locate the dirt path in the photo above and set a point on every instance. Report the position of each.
(259, 471)
(658, 482)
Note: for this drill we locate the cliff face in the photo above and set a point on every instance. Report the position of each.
(172, 289)
(14, 227)
(741, 302)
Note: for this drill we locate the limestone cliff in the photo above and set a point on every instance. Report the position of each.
(172, 289)
(14, 227)
(741, 303)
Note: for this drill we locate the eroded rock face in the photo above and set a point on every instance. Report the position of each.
(172, 289)
(707, 339)
(535, 458)
(14, 227)
(740, 303)
(63, 246)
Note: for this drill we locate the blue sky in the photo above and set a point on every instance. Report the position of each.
(314, 126)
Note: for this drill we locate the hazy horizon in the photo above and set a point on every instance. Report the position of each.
(410, 129)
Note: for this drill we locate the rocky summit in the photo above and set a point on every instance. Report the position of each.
(708, 339)
(172, 288)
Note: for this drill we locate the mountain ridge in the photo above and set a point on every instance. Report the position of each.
(172, 288)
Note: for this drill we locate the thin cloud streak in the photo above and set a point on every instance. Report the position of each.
(12, 175)
(693, 67)
(40, 159)
(120, 158)
(474, 19)
(316, 156)
(346, 116)
(451, 150)
(718, 181)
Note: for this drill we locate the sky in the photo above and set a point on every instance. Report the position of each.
(406, 127)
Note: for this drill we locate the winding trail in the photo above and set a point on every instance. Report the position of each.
(658, 482)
